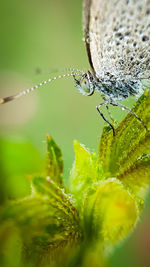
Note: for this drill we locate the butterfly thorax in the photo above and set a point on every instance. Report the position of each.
(118, 88)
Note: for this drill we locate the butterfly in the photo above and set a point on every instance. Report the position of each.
(117, 40)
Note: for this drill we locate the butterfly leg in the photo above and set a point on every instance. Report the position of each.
(110, 116)
(98, 109)
(128, 109)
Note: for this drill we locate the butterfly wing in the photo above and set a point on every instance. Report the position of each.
(117, 37)
(86, 24)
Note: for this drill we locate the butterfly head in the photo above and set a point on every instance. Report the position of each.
(85, 84)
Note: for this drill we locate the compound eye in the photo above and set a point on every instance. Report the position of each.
(85, 85)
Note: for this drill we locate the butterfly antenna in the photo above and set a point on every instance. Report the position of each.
(27, 91)
(40, 71)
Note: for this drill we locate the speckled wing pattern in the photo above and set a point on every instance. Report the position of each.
(117, 37)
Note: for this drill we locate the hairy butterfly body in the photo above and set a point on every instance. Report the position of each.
(117, 39)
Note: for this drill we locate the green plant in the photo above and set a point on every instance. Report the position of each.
(81, 224)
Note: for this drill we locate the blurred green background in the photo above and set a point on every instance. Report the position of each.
(47, 35)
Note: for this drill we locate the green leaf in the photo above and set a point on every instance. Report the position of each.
(57, 196)
(85, 172)
(137, 176)
(118, 155)
(110, 212)
(109, 207)
(48, 217)
(10, 246)
(54, 161)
